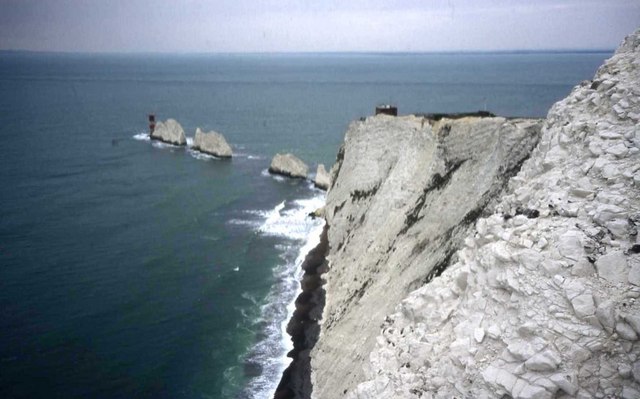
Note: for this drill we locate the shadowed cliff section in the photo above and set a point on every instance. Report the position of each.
(406, 191)
(303, 326)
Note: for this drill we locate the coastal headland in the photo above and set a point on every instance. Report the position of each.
(482, 256)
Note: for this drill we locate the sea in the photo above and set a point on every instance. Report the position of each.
(135, 269)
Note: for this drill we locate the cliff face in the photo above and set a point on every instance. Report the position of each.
(542, 299)
(406, 192)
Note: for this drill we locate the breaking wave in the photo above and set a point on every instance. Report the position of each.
(289, 221)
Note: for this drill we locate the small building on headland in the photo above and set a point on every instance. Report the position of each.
(387, 109)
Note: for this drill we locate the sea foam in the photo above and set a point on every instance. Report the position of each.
(289, 221)
(142, 136)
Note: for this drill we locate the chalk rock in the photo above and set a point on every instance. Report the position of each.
(493, 331)
(606, 314)
(544, 361)
(583, 305)
(288, 165)
(625, 331)
(170, 132)
(608, 212)
(478, 334)
(634, 321)
(212, 143)
(503, 378)
(634, 273)
(323, 179)
(613, 267)
(635, 370)
(607, 134)
(534, 392)
(564, 383)
(619, 150)
(570, 246)
(523, 350)
(630, 393)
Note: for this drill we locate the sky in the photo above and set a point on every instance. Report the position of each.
(314, 26)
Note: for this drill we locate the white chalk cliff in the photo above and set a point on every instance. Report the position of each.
(540, 297)
(406, 192)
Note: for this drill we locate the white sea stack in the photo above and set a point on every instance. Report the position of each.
(288, 165)
(426, 253)
(212, 143)
(170, 132)
(322, 179)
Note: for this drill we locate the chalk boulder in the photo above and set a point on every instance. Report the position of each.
(212, 143)
(170, 132)
(288, 165)
(323, 179)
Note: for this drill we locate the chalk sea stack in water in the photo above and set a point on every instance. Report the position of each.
(322, 180)
(170, 132)
(212, 143)
(289, 165)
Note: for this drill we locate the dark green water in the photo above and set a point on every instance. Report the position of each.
(131, 269)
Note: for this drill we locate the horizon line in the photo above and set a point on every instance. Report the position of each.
(339, 52)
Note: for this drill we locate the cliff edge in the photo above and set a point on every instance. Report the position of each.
(542, 299)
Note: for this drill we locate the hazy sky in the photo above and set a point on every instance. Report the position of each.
(298, 25)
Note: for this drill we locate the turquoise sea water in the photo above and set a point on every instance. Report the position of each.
(134, 269)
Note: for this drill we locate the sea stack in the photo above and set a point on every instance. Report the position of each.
(323, 179)
(289, 165)
(212, 143)
(170, 132)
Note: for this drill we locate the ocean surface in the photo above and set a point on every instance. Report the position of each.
(130, 268)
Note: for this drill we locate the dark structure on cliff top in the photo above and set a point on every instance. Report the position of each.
(387, 109)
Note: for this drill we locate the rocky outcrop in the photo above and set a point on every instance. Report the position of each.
(318, 213)
(212, 143)
(406, 191)
(288, 165)
(322, 179)
(170, 132)
(542, 301)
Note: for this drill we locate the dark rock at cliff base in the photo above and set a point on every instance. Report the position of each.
(303, 326)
